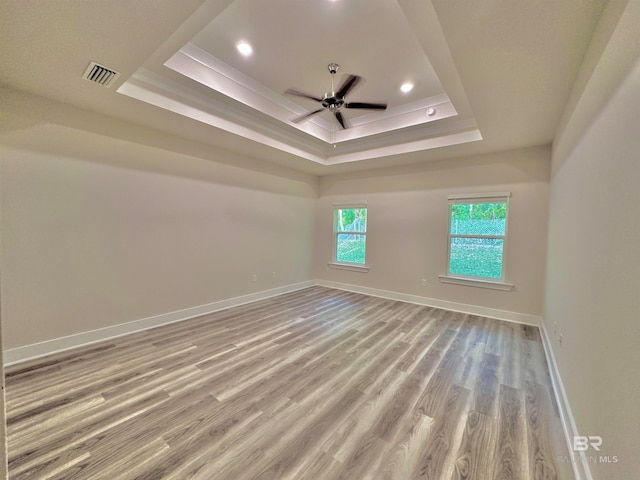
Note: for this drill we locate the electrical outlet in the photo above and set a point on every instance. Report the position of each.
(254, 278)
(273, 274)
(424, 282)
(560, 339)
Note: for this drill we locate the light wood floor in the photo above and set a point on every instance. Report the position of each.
(316, 384)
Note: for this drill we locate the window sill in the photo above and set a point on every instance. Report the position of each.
(476, 282)
(348, 266)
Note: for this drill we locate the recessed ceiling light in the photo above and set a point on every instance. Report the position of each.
(406, 87)
(244, 48)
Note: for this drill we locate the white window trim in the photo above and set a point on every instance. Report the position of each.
(354, 204)
(483, 282)
(355, 267)
(478, 196)
(476, 282)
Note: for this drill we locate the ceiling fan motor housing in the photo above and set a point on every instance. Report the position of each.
(332, 102)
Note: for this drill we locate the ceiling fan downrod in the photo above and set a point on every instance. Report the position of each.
(333, 69)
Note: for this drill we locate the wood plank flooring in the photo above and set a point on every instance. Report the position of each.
(315, 384)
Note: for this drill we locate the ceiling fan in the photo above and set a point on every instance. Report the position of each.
(335, 101)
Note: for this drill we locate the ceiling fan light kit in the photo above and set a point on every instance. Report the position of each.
(334, 101)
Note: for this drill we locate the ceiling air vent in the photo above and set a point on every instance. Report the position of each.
(101, 75)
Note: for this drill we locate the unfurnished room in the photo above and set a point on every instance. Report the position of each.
(320, 239)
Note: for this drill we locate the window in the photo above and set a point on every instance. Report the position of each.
(350, 235)
(477, 236)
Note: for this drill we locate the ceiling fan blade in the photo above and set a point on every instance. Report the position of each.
(341, 120)
(367, 106)
(306, 115)
(350, 82)
(298, 93)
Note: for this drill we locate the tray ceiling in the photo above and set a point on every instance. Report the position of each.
(209, 80)
(497, 73)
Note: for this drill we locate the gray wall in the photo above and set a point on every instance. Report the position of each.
(408, 222)
(592, 288)
(99, 231)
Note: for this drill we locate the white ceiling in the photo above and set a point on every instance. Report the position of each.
(498, 73)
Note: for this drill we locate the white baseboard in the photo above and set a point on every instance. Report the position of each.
(580, 465)
(56, 345)
(433, 302)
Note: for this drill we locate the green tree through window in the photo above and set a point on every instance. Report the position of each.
(350, 231)
(477, 233)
